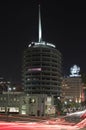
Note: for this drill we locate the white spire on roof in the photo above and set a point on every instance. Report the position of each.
(40, 27)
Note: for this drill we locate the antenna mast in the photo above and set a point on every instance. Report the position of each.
(40, 28)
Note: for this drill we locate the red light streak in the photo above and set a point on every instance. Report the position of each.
(34, 126)
(50, 124)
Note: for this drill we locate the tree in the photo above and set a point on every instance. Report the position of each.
(83, 76)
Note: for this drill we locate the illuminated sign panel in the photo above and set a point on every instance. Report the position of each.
(74, 71)
(38, 43)
(49, 44)
(41, 43)
(34, 69)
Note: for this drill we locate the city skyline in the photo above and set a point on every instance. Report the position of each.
(63, 25)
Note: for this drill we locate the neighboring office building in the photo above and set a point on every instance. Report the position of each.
(24, 104)
(72, 86)
(10, 102)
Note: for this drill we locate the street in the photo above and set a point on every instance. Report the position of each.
(73, 121)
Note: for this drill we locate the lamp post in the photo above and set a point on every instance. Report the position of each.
(7, 106)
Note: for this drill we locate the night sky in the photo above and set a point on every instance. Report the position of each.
(63, 24)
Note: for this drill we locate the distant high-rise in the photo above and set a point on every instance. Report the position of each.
(42, 67)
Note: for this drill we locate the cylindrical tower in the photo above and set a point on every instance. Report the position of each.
(42, 75)
(42, 69)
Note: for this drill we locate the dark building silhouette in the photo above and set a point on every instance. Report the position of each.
(42, 67)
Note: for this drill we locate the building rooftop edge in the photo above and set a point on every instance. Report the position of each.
(43, 43)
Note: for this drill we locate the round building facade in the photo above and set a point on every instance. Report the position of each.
(42, 69)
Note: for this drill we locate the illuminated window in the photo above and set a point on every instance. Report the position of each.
(23, 112)
(13, 109)
(32, 100)
(14, 99)
(1, 98)
(23, 106)
(4, 98)
(2, 109)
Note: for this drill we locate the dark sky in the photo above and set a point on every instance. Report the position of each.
(63, 24)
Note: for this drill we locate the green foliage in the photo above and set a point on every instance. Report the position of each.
(84, 78)
(58, 105)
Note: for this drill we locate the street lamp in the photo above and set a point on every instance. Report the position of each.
(7, 106)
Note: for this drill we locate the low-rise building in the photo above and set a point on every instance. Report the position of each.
(21, 103)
